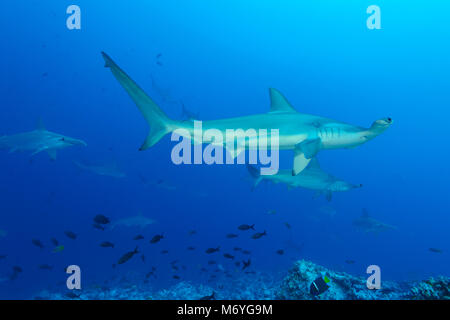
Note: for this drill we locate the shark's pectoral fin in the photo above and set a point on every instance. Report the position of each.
(52, 153)
(300, 162)
(310, 147)
(304, 152)
(38, 150)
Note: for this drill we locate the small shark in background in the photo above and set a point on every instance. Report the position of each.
(368, 224)
(110, 170)
(187, 114)
(304, 133)
(312, 177)
(3, 233)
(37, 141)
(138, 221)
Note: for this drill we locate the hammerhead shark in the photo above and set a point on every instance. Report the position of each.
(110, 170)
(368, 224)
(37, 141)
(304, 133)
(312, 177)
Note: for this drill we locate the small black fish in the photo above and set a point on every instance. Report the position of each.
(72, 295)
(191, 248)
(45, 267)
(3, 256)
(127, 256)
(211, 262)
(101, 219)
(212, 250)
(107, 244)
(280, 252)
(231, 236)
(259, 235)
(138, 237)
(156, 238)
(245, 227)
(143, 258)
(192, 232)
(164, 251)
(349, 261)
(211, 297)
(246, 264)
(54, 242)
(37, 243)
(228, 256)
(176, 277)
(17, 269)
(70, 235)
(246, 252)
(435, 250)
(237, 249)
(159, 55)
(98, 226)
(159, 63)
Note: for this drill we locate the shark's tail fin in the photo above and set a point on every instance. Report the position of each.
(160, 123)
(256, 175)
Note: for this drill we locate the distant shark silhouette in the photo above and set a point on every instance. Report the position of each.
(138, 221)
(110, 170)
(312, 177)
(305, 134)
(37, 141)
(368, 224)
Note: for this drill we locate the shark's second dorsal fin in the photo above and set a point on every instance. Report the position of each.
(40, 124)
(278, 103)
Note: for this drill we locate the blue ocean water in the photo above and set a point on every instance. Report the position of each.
(219, 58)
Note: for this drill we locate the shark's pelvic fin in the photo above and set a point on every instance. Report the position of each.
(159, 123)
(254, 172)
(278, 103)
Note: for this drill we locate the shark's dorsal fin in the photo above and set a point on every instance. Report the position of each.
(278, 103)
(365, 213)
(40, 125)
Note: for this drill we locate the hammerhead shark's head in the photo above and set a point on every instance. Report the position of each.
(110, 170)
(37, 141)
(369, 224)
(312, 177)
(305, 134)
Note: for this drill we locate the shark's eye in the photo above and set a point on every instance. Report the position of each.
(389, 120)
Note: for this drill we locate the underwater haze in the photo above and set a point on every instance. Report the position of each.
(217, 60)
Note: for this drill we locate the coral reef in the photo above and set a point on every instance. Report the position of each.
(259, 286)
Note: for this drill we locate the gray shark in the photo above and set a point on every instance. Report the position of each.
(138, 221)
(110, 170)
(304, 133)
(368, 224)
(37, 141)
(312, 177)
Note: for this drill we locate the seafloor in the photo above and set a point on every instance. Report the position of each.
(257, 286)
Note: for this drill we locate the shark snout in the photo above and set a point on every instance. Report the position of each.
(74, 142)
